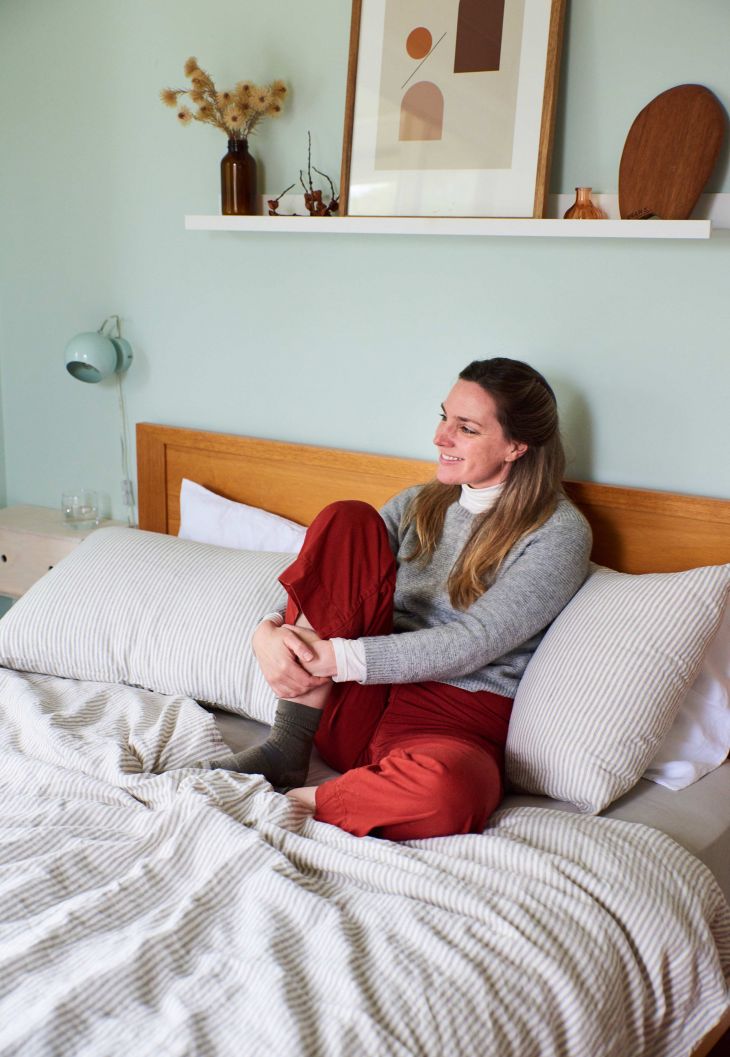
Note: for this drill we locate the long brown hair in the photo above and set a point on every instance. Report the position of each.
(527, 412)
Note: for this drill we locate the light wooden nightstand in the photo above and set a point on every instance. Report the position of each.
(32, 540)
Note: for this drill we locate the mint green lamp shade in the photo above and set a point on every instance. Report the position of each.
(92, 356)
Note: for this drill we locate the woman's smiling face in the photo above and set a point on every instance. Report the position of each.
(472, 446)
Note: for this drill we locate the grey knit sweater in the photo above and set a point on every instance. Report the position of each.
(487, 647)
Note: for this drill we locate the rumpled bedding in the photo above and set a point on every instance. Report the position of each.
(151, 907)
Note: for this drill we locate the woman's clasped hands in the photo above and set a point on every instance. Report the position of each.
(292, 658)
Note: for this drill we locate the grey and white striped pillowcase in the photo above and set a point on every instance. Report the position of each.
(606, 681)
(149, 610)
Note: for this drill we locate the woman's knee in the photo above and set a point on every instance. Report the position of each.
(352, 536)
(349, 512)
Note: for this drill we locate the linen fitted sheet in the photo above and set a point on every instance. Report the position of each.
(697, 817)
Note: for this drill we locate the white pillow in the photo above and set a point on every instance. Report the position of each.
(605, 683)
(699, 739)
(209, 518)
(150, 610)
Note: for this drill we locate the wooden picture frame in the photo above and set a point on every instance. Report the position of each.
(450, 107)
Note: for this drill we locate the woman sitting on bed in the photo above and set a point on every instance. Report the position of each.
(406, 632)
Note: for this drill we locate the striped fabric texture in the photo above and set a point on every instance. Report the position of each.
(199, 914)
(605, 683)
(149, 610)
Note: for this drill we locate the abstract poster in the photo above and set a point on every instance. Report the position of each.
(448, 70)
(446, 111)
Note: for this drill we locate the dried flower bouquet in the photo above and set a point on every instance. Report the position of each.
(236, 112)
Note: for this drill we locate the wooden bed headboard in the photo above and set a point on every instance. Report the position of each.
(635, 530)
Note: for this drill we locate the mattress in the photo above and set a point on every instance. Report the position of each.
(697, 818)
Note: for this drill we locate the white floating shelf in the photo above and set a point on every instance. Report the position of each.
(479, 226)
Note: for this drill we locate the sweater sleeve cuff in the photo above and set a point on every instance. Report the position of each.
(350, 660)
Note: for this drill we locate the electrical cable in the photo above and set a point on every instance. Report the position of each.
(124, 434)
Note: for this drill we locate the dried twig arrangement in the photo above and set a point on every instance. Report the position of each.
(313, 198)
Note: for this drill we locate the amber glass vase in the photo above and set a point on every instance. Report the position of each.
(238, 180)
(584, 208)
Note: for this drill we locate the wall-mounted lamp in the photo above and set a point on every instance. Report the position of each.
(94, 355)
(98, 354)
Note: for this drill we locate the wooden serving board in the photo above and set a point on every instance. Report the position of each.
(670, 152)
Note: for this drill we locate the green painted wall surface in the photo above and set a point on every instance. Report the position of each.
(348, 341)
(2, 431)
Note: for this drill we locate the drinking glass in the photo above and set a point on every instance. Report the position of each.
(80, 508)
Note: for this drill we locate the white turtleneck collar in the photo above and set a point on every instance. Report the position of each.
(479, 500)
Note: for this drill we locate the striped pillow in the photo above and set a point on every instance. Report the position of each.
(603, 687)
(149, 610)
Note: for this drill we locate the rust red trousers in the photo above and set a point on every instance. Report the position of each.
(418, 759)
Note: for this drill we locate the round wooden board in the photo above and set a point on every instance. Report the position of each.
(670, 152)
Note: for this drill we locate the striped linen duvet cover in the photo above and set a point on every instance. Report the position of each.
(147, 907)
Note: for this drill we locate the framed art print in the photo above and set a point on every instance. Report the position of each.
(450, 107)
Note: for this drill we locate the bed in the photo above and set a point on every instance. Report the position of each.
(154, 906)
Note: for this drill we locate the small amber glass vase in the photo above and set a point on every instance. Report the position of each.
(238, 180)
(584, 208)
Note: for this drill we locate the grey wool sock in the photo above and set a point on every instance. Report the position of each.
(283, 759)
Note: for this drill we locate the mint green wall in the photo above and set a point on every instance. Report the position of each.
(348, 341)
(2, 432)
(5, 603)
(618, 55)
